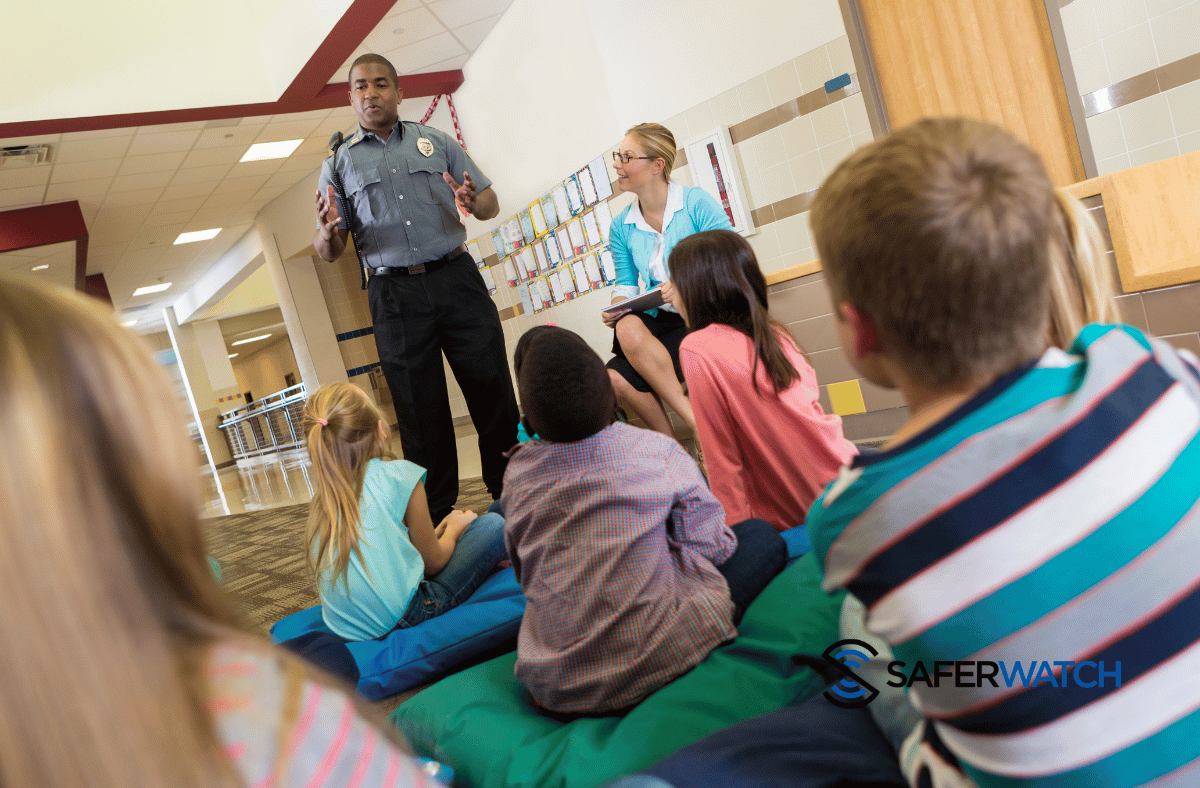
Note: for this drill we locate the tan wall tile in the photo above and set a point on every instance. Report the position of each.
(1173, 310)
(816, 334)
(782, 83)
(874, 424)
(1131, 311)
(831, 366)
(1186, 342)
(802, 302)
(878, 398)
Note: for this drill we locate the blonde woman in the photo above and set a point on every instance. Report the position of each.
(645, 370)
(379, 561)
(1081, 281)
(123, 664)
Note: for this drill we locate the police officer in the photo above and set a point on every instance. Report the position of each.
(425, 294)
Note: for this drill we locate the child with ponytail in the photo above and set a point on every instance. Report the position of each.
(379, 561)
(769, 448)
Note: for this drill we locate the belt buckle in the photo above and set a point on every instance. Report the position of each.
(419, 268)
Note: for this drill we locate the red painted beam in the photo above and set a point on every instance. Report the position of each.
(40, 225)
(308, 90)
(25, 228)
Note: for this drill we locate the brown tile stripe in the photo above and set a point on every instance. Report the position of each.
(516, 310)
(680, 160)
(1144, 85)
(788, 206)
(790, 110)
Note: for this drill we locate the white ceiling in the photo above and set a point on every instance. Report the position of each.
(140, 187)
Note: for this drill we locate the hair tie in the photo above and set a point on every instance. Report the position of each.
(323, 422)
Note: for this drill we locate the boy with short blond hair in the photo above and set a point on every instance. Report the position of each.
(1038, 508)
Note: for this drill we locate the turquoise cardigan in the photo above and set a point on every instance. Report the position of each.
(631, 247)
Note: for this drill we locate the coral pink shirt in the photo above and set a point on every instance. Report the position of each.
(767, 456)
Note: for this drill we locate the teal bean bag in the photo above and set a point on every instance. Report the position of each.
(481, 721)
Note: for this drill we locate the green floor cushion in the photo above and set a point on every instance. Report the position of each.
(481, 721)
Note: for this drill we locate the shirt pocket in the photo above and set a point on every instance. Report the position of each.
(363, 190)
(427, 183)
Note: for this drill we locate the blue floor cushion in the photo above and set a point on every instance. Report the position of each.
(489, 620)
(481, 721)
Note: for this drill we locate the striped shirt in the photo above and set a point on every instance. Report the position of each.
(328, 745)
(1050, 521)
(615, 539)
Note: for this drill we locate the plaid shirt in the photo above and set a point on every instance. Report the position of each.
(615, 540)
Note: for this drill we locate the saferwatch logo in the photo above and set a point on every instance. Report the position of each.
(851, 691)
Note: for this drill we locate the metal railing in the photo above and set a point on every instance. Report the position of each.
(271, 424)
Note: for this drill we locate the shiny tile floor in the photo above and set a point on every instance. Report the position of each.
(285, 478)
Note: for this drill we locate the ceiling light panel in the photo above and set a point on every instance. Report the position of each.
(148, 289)
(197, 235)
(261, 151)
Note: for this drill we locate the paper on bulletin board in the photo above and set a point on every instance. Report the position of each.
(543, 261)
(564, 242)
(553, 253)
(510, 271)
(498, 242)
(578, 239)
(476, 255)
(591, 266)
(527, 231)
(603, 218)
(549, 211)
(543, 289)
(562, 205)
(526, 300)
(488, 279)
(514, 239)
(574, 195)
(528, 260)
(582, 282)
(586, 186)
(539, 219)
(600, 178)
(591, 230)
(607, 266)
(519, 262)
(556, 286)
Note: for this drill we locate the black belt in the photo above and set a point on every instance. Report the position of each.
(419, 268)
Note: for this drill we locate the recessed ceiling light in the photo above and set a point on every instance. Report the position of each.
(197, 235)
(270, 150)
(233, 355)
(130, 323)
(40, 267)
(151, 289)
(398, 31)
(251, 339)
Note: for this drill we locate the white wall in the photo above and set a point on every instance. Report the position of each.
(557, 83)
(262, 372)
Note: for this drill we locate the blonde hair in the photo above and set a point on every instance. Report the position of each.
(943, 232)
(110, 606)
(659, 143)
(1081, 281)
(342, 428)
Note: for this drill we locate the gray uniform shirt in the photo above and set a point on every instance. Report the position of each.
(404, 210)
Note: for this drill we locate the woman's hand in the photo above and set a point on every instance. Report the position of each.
(669, 294)
(611, 317)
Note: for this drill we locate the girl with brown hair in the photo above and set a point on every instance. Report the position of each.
(378, 560)
(768, 446)
(123, 664)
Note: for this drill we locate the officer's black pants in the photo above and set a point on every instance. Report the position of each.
(416, 319)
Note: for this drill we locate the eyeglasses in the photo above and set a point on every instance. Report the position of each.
(625, 158)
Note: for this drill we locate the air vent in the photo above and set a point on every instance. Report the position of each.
(24, 155)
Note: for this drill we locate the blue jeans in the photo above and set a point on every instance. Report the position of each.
(761, 554)
(475, 557)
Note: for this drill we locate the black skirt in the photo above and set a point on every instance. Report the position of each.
(666, 327)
